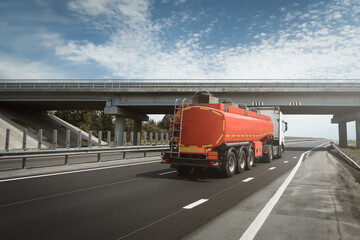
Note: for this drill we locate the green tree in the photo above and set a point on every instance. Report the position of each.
(164, 124)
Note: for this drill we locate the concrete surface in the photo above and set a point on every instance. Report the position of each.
(75, 165)
(19, 119)
(321, 202)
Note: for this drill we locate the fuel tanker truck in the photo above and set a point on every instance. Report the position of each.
(216, 133)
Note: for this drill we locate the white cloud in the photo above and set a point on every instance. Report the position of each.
(12, 67)
(314, 44)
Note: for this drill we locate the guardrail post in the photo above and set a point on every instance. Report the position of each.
(138, 139)
(108, 138)
(79, 139)
(156, 138)
(90, 139)
(99, 139)
(7, 139)
(54, 139)
(66, 159)
(24, 139)
(162, 138)
(151, 139)
(116, 138)
(40, 136)
(167, 138)
(132, 139)
(23, 165)
(145, 138)
(67, 139)
(124, 139)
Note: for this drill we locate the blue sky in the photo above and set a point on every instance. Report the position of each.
(266, 39)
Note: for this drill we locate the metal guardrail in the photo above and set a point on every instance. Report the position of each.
(96, 84)
(120, 145)
(24, 155)
(346, 157)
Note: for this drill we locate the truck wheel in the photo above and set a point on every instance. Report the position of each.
(228, 169)
(184, 170)
(241, 161)
(269, 156)
(250, 159)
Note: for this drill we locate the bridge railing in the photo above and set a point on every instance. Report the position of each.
(175, 84)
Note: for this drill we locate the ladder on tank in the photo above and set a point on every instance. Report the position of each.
(177, 125)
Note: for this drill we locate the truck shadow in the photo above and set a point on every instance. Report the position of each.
(204, 176)
(201, 176)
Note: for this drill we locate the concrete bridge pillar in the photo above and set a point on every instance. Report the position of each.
(342, 119)
(121, 114)
(120, 127)
(342, 134)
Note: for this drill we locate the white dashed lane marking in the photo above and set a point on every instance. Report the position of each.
(164, 173)
(248, 179)
(194, 204)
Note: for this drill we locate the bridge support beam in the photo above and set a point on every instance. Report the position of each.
(121, 114)
(342, 134)
(120, 127)
(342, 119)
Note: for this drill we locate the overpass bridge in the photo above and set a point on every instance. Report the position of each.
(135, 99)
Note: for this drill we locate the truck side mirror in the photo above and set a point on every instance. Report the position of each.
(286, 126)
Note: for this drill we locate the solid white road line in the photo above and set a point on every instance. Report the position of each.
(76, 171)
(255, 226)
(286, 161)
(164, 173)
(248, 179)
(194, 204)
(272, 168)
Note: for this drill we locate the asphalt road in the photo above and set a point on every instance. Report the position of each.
(134, 202)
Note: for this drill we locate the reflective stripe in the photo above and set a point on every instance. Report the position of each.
(206, 146)
(188, 149)
(217, 113)
(219, 139)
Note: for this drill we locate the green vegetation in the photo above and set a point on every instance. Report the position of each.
(352, 151)
(98, 121)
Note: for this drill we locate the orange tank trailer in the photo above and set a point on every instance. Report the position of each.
(210, 125)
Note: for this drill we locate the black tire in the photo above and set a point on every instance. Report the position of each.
(228, 169)
(184, 170)
(241, 160)
(250, 159)
(270, 155)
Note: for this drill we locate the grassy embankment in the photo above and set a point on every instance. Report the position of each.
(352, 151)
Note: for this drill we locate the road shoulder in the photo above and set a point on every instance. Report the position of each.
(321, 202)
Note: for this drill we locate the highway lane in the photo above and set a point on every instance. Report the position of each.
(135, 202)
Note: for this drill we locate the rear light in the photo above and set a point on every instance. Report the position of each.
(214, 163)
(165, 160)
(213, 155)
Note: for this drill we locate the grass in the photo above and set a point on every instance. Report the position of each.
(352, 151)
